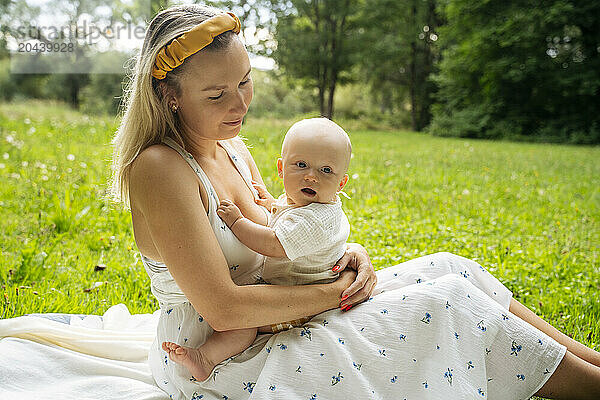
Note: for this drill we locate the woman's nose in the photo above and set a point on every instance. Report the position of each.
(239, 104)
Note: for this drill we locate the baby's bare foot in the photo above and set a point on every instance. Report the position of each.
(192, 359)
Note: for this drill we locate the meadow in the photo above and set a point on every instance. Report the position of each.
(527, 212)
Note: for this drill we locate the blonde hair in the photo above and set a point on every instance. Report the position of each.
(147, 118)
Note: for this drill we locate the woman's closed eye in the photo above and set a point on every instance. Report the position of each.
(243, 83)
(216, 97)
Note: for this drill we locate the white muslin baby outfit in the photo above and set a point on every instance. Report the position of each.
(437, 327)
(313, 236)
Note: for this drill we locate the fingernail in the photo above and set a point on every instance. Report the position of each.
(344, 307)
(335, 268)
(345, 297)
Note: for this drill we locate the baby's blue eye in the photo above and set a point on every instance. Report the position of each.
(301, 164)
(327, 170)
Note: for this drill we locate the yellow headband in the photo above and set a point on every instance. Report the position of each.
(192, 41)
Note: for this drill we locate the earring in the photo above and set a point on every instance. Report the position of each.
(174, 108)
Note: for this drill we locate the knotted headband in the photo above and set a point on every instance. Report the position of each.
(172, 55)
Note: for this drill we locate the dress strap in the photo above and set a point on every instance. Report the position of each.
(213, 200)
(244, 171)
(241, 166)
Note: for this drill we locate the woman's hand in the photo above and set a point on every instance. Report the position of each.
(356, 258)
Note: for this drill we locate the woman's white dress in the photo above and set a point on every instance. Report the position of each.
(437, 327)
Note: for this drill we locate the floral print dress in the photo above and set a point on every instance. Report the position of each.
(436, 327)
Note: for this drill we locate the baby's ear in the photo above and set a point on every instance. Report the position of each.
(343, 182)
(280, 167)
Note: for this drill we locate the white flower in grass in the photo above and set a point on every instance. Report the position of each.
(70, 157)
(24, 163)
(31, 130)
(83, 165)
(44, 177)
(2, 166)
(355, 176)
(466, 192)
(6, 156)
(27, 121)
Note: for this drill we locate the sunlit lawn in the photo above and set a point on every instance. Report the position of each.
(528, 212)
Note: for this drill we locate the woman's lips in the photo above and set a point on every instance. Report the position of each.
(234, 123)
(309, 192)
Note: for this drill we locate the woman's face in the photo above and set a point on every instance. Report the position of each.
(216, 90)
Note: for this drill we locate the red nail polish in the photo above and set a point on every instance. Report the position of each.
(335, 268)
(345, 297)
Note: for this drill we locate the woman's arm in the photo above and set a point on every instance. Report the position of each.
(166, 192)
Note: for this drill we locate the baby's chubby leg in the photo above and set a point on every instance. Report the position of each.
(218, 347)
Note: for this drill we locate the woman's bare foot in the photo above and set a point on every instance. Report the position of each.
(193, 359)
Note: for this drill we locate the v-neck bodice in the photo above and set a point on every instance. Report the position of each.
(244, 264)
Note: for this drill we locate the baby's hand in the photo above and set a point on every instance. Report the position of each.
(229, 212)
(265, 199)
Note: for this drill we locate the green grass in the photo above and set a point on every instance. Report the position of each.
(527, 212)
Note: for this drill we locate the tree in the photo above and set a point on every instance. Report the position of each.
(520, 69)
(316, 43)
(400, 54)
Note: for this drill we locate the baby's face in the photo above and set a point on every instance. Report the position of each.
(313, 163)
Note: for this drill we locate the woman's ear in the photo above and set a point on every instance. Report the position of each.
(343, 182)
(167, 93)
(280, 167)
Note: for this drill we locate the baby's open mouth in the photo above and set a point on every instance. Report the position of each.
(308, 191)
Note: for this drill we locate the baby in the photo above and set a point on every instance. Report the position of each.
(306, 235)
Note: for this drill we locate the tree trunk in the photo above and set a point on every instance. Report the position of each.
(332, 85)
(412, 84)
(321, 99)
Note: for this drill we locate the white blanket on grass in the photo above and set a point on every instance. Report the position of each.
(90, 358)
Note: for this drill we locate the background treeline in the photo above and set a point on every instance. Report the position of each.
(522, 70)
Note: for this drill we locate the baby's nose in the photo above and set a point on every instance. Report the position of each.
(310, 177)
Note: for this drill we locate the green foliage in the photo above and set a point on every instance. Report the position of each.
(274, 95)
(399, 54)
(519, 69)
(317, 43)
(530, 213)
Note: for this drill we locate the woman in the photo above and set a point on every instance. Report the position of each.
(177, 154)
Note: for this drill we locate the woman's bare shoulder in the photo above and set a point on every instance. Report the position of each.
(159, 162)
(161, 168)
